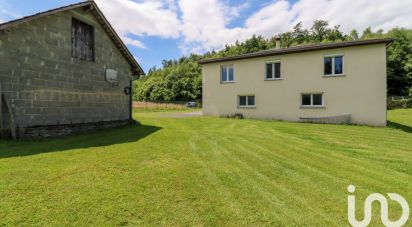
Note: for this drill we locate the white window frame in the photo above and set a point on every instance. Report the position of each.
(247, 100)
(273, 70)
(311, 100)
(227, 73)
(333, 56)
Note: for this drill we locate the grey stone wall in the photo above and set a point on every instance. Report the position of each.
(44, 85)
(67, 129)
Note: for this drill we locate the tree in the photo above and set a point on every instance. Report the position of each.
(180, 79)
(400, 62)
(319, 30)
(354, 35)
(335, 34)
(300, 35)
(287, 39)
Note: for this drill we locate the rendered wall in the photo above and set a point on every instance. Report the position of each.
(360, 93)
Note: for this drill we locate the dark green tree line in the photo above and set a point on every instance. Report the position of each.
(180, 79)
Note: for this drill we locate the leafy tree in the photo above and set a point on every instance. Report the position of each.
(300, 35)
(180, 79)
(319, 30)
(400, 62)
(354, 35)
(287, 39)
(336, 35)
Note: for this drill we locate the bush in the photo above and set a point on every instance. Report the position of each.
(399, 104)
(235, 116)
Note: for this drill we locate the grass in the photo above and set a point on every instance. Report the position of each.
(205, 171)
(155, 110)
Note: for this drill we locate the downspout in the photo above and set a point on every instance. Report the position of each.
(386, 82)
(131, 101)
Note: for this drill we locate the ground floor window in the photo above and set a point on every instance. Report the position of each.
(312, 100)
(246, 101)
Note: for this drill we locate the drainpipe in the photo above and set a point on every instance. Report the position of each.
(131, 100)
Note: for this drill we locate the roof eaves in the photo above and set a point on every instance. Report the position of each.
(15, 22)
(298, 49)
(138, 71)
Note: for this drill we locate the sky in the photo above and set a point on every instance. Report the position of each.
(155, 30)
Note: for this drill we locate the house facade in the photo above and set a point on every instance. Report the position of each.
(63, 71)
(324, 83)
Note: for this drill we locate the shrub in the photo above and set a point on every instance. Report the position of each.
(399, 104)
(235, 116)
(409, 103)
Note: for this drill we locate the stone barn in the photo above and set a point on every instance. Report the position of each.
(64, 71)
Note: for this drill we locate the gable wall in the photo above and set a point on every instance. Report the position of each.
(46, 86)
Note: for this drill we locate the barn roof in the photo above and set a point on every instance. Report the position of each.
(94, 9)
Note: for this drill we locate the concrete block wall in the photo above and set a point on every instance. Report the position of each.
(44, 85)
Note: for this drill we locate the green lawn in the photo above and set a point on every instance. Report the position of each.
(205, 171)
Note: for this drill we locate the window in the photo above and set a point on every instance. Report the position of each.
(273, 70)
(333, 65)
(247, 101)
(312, 100)
(82, 41)
(227, 74)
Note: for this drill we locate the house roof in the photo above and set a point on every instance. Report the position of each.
(299, 49)
(94, 9)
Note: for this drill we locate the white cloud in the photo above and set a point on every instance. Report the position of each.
(272, 19)
(7, 12)
(143, 18)
(204, 24)
(206, 28)
(379, 14)
(133, 42)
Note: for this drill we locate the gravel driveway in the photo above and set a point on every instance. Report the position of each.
(183, 114)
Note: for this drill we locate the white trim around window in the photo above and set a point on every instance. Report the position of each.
(227, 74)
(276, 66)
(333, 65)
(246, 101)
(311, 100)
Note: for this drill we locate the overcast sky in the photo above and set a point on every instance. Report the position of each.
(162, 29)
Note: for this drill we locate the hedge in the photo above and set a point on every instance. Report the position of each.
(399, 104)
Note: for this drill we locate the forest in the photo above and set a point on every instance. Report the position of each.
(180, 79)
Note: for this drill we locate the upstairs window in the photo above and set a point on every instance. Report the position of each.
(82, 41)
(273, 70)
(312, 100)
(227, 74)
(333, 65)
(246, 101)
